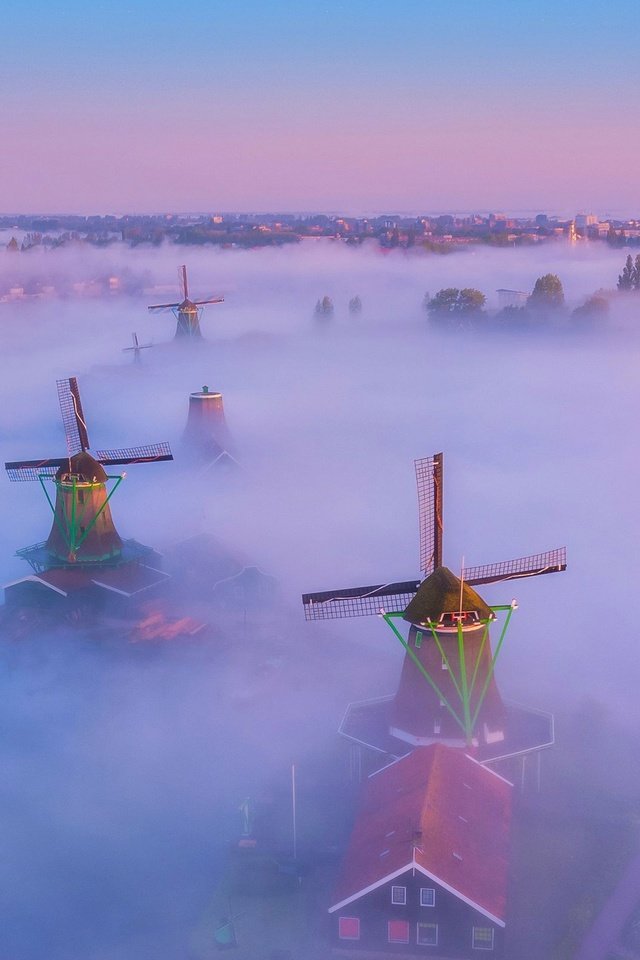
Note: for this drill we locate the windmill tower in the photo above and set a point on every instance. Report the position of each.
(83, 533)
(137, 348)
(447, 690)
(206, 439)
(187, 312)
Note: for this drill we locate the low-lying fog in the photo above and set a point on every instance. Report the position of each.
(113, 767)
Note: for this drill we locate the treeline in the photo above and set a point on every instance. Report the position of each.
(466, 306)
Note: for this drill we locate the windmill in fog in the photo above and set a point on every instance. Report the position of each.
(137, 348)
(188, 311)
(206, 440)
(447, 691)
(83, 533)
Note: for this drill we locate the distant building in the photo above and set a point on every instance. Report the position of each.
(584, 220)
(512, 298)
(427, 863)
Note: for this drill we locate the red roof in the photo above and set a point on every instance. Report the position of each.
(442, 813)
(61, 579)
(127, 579)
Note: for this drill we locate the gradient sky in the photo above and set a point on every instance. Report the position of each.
(358, 106)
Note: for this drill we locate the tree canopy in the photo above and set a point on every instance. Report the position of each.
(547, 293)
(454, 303)
(629, 279)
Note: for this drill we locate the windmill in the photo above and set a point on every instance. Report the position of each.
(137, 348)
(447, 689)
(83, 532)
(206, 439)
(187, 312)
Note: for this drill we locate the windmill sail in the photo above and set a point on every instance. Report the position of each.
(553, 561)
(395, 597)
(147, 453)
(429, 474)
(75, 427)
(22, 470)
(200, 303)
(359, 601)
(162, 306)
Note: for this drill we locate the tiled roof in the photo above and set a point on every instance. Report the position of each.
(438, 811)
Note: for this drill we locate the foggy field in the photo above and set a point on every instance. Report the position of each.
(124, 768)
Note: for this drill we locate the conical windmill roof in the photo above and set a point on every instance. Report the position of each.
(440, 593)
(84, 466)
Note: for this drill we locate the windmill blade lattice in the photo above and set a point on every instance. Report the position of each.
(75, 427)
(147, 453)
(200, 303)
(163, 306)
(359, 601)
(24, 470)
(429, 474)
(552, 561)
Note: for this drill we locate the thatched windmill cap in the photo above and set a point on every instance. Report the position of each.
(440, 593)
(85, 467)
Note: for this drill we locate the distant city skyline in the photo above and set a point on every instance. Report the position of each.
(359, 107)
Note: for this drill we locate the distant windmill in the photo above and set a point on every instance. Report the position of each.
(206, 439)
(447, 689)
(136, 348)
(187, 312)
(83, 532)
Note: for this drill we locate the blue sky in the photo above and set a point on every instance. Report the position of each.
(247, 104)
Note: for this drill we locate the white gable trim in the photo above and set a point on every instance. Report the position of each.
(488, 769)
(460, 896)
(162, 577)
(373, 886)
(414, 865)
(36, 579)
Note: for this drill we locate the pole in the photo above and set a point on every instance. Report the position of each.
(293, 805)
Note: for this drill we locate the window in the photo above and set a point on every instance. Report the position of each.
(436, 727)
(427, 897)
(398, 931)
(482, 938)
(399, 895)
(427, 935)
(349, 928)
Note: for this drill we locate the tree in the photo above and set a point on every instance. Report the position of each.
(628, 277)
(636, 273)
(471, 300)
(595, 307)
(324, 307)
(452, 303)
(355, 305)
(547, 293)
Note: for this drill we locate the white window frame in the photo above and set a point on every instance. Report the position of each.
(473, 938)
(340, 936)
(398, 903)
(432, 892)
(425, 923)
(398, 920)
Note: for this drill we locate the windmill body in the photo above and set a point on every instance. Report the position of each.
(443, 612)
(447, 692)
(187, 311)
(206, 439)
(83, 530)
